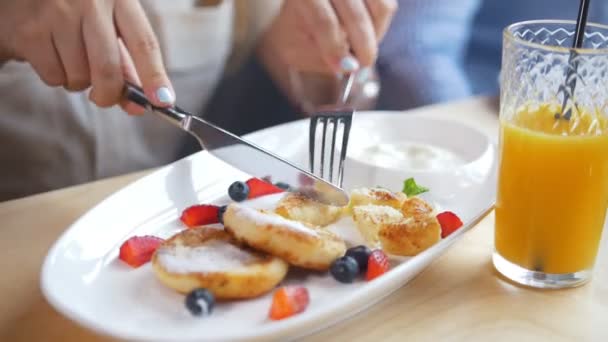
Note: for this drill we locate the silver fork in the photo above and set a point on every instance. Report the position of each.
(334, 117)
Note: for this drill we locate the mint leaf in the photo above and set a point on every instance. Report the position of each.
(410, 188)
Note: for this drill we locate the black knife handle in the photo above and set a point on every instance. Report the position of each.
(136, 95)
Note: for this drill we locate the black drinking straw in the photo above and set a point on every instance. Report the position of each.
(579, 36)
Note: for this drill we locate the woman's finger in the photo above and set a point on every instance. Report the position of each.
(48, 66)
(101, 44)
(359, 27)
(128, 70)
(323, 25)
(33, 39)
(69, 41)
(143, 47)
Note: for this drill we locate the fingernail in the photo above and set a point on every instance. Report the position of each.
(364, 75)
(349, 64)
(164, 95)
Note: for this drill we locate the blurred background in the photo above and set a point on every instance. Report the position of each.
(223, 59)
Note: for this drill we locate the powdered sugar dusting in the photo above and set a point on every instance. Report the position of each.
(213, 256)
(377, 214)
(268, 202)
(263, 219)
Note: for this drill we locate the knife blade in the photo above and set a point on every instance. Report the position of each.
(242, 154)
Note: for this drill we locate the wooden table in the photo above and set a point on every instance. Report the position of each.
(460, 297)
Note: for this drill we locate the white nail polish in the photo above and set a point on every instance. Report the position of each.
(349, 64)
(164, 95)
(364, 75)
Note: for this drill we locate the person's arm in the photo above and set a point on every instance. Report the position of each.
(317, 39)
(86, 44)
(421, 58)
(260, 93)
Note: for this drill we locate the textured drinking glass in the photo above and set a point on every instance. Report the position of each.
(553, 174)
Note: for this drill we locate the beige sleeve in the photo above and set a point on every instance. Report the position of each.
(64, 139)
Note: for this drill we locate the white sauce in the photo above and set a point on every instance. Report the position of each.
(412, 156)
(213, 256)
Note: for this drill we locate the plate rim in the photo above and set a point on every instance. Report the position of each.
(323, 314)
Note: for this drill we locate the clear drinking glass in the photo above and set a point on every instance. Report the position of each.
(553, 174)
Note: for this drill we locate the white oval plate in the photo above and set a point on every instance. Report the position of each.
(83, 278)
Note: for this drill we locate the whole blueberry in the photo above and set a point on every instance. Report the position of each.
(200, 302)
(344, 269)
(361, 255)
(238, 191)
(220, 213)
(283, 186)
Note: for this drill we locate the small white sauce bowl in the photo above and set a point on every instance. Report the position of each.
(472, 146)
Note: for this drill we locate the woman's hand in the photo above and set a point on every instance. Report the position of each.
(328, 35)
(79, 44)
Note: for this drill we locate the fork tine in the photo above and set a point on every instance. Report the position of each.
(322, 163)
(347, 124)
(312, 136)
(334, 121)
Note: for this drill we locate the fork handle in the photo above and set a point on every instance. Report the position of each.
(346, 88)
(136, 95)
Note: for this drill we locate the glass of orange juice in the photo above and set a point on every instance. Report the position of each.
(553, 169)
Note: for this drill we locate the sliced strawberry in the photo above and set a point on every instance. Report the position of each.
(258, 187)
(377, 265)
(449, 223)
(200, 215)
(288, 301)
(138, 250)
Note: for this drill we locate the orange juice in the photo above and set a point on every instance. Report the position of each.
(553, 189)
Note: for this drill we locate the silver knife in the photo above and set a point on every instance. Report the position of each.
(243, 154)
